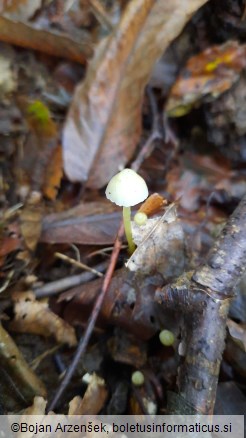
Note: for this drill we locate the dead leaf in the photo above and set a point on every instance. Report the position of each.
(93, 400)
(40, 145)
(125, 348)
(20, 10)
(153, 204)
(210, 73)
(31, 224)
(94, 223)
(33, 316)
(8, 244)
(238, 333)
(50, 42)
(20, 374)
(104, 121)
(37, 408)
(160, 246)
(54, 174)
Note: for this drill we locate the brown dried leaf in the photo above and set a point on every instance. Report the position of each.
(210, 73)
(125, 348)
(104, 122)
(94, 398)
(53, 174)
(94, 223)
(37, 408)
(54, 43)
(33, 316)
(31, 224)
(8, 244)
(153, 204)
(23, 378)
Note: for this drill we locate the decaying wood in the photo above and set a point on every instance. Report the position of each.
(205, 298)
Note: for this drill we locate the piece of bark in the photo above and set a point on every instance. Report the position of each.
(204, 299)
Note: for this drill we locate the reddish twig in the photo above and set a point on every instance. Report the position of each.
(92, 320)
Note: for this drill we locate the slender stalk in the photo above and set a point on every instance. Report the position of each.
(128, 229)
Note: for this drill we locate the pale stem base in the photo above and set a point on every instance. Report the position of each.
(128, 229)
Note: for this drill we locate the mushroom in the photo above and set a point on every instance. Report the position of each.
(127, 189)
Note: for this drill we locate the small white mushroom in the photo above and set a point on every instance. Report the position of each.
(127, 189)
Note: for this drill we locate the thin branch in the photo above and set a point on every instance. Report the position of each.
(55, 287)
(92, 320)
(78, 264)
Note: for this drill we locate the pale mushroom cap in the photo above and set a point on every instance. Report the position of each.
(127, 188)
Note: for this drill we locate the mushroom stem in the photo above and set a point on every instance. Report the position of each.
(128, 229)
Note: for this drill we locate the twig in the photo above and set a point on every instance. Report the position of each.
(103, 251)
(73, 262)
(63, 284)
(100, 13)
(92, 320)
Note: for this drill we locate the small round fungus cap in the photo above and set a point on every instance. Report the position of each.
(127, 188)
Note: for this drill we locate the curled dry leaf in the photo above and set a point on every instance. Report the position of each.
(210, 73)
(104, 121)
(31, 224)
(153, 204)
(33, 316)
(37, 408)
(160, 246)
(53, 174)
(94, 398)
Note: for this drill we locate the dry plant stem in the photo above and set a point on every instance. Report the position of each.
(101, 14)
(92, 320)
(78, 264)
(55, 287)
(205, 298)
(128, 229)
